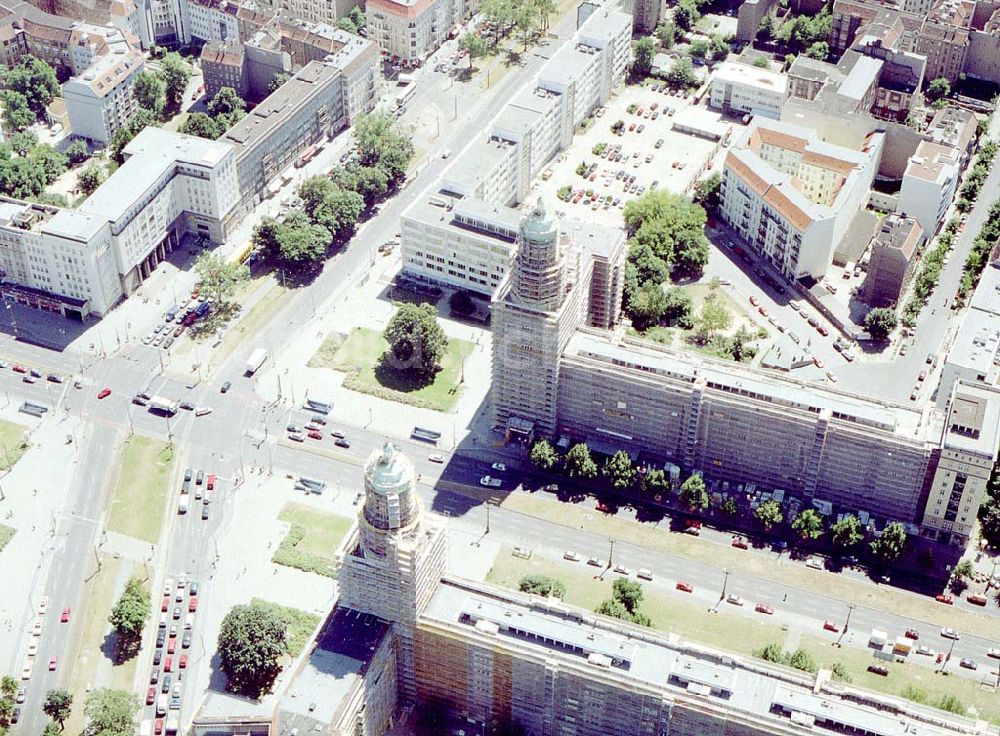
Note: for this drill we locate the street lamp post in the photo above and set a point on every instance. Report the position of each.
(725, 583)
(611, 552)
(847, 622)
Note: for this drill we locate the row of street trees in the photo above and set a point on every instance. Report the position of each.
(526, 16)
(621, 473)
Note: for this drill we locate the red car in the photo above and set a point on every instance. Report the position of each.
(183, 663)
(822, 330)
(171, 645)
(603, 507)
(193, 604)
(158, 727)
(740, 543)
(912, 634)
(761, 608)
(165, 606)
(210, 482)
(753, 300)
(631, 127)
(315, 435)
(151, 695)
(105, 393)
(693, 527)
(19, 368)
(685, 587)
(168, 663)
(946, 599)
(64, 617)
(830, 626)
(763, 310)
(818, 361)
(53, 663)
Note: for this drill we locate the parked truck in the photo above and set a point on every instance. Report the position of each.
(164, 405)
(257, 357)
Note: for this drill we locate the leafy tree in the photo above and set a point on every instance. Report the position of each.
(643, 52)
(677, 307)
(499, 13)
(301, 244)
(614, 609)
(51, 729)
(110, 713)
(226, 102)
(659, 205)
(339, 211)
(150, 91)
(690, 254)
(713, 317)
(380, 144)
(653, 481)
(277, 80)
(51, 162)
(989, 522)
(770, 653)
(461, 303)
(880, 322)
(545, 8)
(544, 456)
(201, 125)
(77, 152)
(730, 507)
(58, 704)
(769, 514)
(175, 72)
(839, 672)
(699, 48)
(761, 62)
(800, 659)
(719, 48)
(808, 524)
(652, 248)
(525, 20)
(542, 585)
(131, 611)
(313, 191)
(474, 44)
(666, 34)
(6, 713)
(890, 545)
(17, 115)
(218, 276)
(706, 191)
(89, 178)
(22, 142)
(681, 73)
(686, 14)
(647, 306)
(20, 177)
(848, 531)
(938, 89)
(628, 592)
(35, 80)
(357, 16)
(963, 569)
(693, 493)
(346, 24)
(124, 135)
(579, 462)
(952, 704)
(765, 32)
(619, 470)
(252, 640)
(372, 183)
(416, 340)
(818, 50)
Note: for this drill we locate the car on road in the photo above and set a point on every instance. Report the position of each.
(192, 604)
(314, 427)
(157, 657)
(64, 616)
(644, 574)
(924, 650)
(43, 605)
(186, 640)
(151, 696)
(816, 563)
(177, 612)
(821, 329)
(158, 727)
(342, 442)
(210, 485)
(314, 434)
(740, 543)
(912, 634)
(817, 361)
(22, 694)
(692, 527)
(33, 646)
(993, 652)
(735, 599)
(161, 638)
(154, 676)
(53, 378)
(943, 598)
(193, 585)
(596, 562)
(949, 633)
(296, 437)
(171, 645)
(53, 663)
(104, 393)
(183, 661)
(763, 310)
(36, 628)
(969, 664)
(764, 608)
(19, 368)
(489, 482)
(621, 569)
(437, 457)
(684, 586)
(165, 604)
(831, 626)
(226, 386)
(204, 513)
(571, 556)
(753, 301)
(165, 684)
(499, 466)
(29, 379)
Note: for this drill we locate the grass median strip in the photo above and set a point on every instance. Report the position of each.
(732, 631)
(140, 497)
(13, 443)
(301, 625)
(312, 540)
(880, 598)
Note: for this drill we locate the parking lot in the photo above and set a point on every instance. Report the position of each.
(646, 153)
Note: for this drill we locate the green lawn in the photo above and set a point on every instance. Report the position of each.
(312, 540)
(301, 625)
(359, 358)
(6, 534)
(140, 496)
(730, 630)
(326, 355)
(13, 443)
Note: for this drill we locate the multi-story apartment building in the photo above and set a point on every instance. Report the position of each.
(223, 65)
(83, 261)
(892, 260)
(744, 89)
(929, 183)
(944, 37)
(792, 197)
(496, 171)
(100, 101)
(212, 20)
(408, 31)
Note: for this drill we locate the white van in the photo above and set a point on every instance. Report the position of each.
(644, 574)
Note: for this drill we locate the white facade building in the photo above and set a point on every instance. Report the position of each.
(496, 171)
(409, 31)
(744, 89)
(791, 197)
(929, 183)
(83, 261)
(100, 100)
(211, 20)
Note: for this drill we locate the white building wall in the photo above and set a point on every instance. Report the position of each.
(927, 201)
(746, 99)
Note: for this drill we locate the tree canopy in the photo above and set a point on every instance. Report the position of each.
(58, 704)
(252, 640)
(381, 144)
(175, 72)
(150, 91)
(643, 52)
(891, 543)
(848, 531)
(295, 243)
(542, 585)
(131, 611)
(880, 322)
(473, 44)
(808, 524)
(693, 493)
(544, 455)
(626, 595)
(416, 341)
(34, 80)
(218, 276)
(579, 462)
(769, 513)
(110, 713)
(619, 470)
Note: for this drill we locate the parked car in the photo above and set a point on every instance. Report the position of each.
(735, 599)
(571, 556)
(762, 608)
(684, 586)
(831, 626)
(949, 633)
(912, 634)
